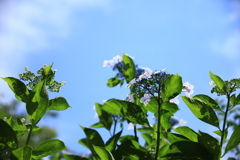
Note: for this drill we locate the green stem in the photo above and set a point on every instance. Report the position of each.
(29, 134)
(158, 131)
(135, 132)
(225, 120)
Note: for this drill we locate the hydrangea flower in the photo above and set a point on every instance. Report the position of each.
(26, 68)
(188, 88)
(109, 63)
(145, 99)
(130, 98)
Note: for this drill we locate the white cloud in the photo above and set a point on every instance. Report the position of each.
(229, 47)
(27, 27)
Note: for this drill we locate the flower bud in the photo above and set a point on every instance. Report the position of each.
(22, 120)
(5, 118)
(63, 83)
(26, 68)
(212, 83)
(44, 66)
(55, 71)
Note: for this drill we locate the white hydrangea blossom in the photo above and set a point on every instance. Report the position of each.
(163, 70)
(130, 98)
(131, 83)
(145, 99)
(188, 88)
(109, 63)
(212, 83)
(26, 68)
(117, 59)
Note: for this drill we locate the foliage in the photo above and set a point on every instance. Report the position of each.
(150, 91)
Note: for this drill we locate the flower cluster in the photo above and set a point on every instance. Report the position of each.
(117, 65)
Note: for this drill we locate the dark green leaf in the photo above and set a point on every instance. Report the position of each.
(7, 136)
(172, 87)
(234, 140)
(97, 125)
(73, 157)
(48, 147)
(38, 102)
(84, 142)
(202, 111)
(146, 129)
(173, 137)
(208, 100)
(152, 105)
(105, 118)
(23, 153)
(171, 107)
(126, 138)
(18, 87)
(187, 132)
(58, 104)
(103, 153)
(112, 142)
(188, 150)
(112, 82)
(112, 106)
(147, 137)
(218, 132)
(129, 68)
(210, 143)
(165, 118)
(218, 81)
(17, 126)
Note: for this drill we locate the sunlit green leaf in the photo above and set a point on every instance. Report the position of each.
(73, 157)
(172, 87)
(201, 110)
(173, 137)
(103, 153)
(58, 104)
(218, 132)
(18, 87)
(17, 126)
(171, 107)
(112, 82)
(38, 102)
(218, 81)
(23, 153)
(147, 137)
(187, 132)
(129, 68)
(105, 118)
(112, 142)
(97, 125)
(208, 100)
(234, 140)
(48, 147)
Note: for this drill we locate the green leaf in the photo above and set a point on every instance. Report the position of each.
(210, 143)
(84, 142)
(165, 118)
(97, 125)
(112, 106)
(129, 68)
(147, 137)
(234, 140)
(103, 153)
(202, 110)
(187, 132)
(173, 137)
(38, 102)
(18, 87)
(7, 136)
(47, 148)
(23, 153)
(17, 126)
(126, 138)
(171, 107)
(48, 74)
(218, 81)
(172, 87)
(73, 157)
(188, 150)
(93, 137)
(146, 129)
(208, 100)
(112, 142)
(58, 104)
(105, 118)
(218, 132)
(112, 82)
(152, 105)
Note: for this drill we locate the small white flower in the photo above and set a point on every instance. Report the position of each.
(63, 83)
(131, 83)
(188, 88)
(5, 118)
(130, 98)
(147, 74)
(163, 70)
(109, 63)
(22, 120)
(145, 99)
(117, 59)
(130, 126)
(212, 83)
(175, 100)
(26, 68)
(55, 70)
(44, 66)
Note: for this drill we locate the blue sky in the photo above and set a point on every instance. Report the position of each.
(190, 37)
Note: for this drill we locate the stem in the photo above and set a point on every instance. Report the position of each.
(114, 129)
(29, 134)
(225, 119)
(158, 131)
(135, 132)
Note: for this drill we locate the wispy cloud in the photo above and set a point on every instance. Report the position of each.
(27, 27)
